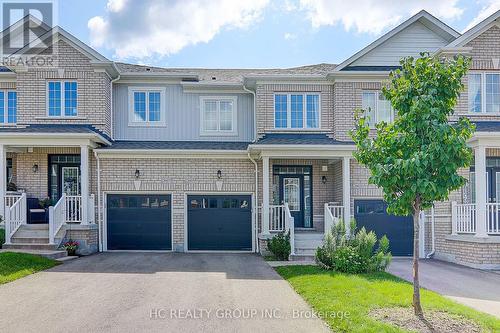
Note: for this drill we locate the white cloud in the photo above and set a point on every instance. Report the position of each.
(289, 36)
(489, 7)
(374, 16)
(148, 28)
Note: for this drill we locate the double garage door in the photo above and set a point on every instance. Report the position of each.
(214, 222)
(372, 214)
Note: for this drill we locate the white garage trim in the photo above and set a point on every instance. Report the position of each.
(252, 196)
(105, 219)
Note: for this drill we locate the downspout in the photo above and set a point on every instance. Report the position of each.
(99, 208)
(111, 98)
(256, 206)
(254, 112)
(433, 239)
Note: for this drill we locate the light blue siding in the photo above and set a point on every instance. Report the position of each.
(182, 116)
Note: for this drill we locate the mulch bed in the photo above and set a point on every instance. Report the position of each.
(441, 322)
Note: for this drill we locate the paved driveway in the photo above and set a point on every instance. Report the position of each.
(126, 292)
(473, 287)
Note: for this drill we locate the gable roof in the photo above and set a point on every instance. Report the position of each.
(476, 30)
(423, 16)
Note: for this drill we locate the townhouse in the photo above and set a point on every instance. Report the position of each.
(125, 157)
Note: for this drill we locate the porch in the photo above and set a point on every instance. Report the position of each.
(45, 190)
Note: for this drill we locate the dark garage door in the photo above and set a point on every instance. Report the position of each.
(139, 222)
(220, 222)
(372, 214)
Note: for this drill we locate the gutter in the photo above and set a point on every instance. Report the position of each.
(99, 208)
(256, 205)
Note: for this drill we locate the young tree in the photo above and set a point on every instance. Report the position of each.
(415, 159)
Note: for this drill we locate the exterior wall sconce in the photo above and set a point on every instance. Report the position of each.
(34, 168)
(324, 179)
(137, 173)
(219, 174)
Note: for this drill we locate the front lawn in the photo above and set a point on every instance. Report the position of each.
(357, 294)
(14, 266)
(2, 237)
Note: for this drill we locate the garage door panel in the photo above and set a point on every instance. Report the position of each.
(139, 222)
(222, 222)
(372, 214)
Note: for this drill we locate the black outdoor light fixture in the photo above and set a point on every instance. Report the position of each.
(219, 174)
(324, 179)
(35, 168)
(137, 173)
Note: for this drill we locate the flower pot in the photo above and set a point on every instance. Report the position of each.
(71, 252)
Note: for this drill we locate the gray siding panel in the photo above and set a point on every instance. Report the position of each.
(182, 116)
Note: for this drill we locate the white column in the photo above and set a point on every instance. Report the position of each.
(3, 176)
(480, 165)
(346, 191)
(84, 181)
(265, 195)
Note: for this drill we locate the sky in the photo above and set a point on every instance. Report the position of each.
(248, 33)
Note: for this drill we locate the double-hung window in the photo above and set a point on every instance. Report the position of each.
(8, 107)
(377, 108)
(296, 111)
(62, 98)
(147, 107)
(484, 92)
(218, 115)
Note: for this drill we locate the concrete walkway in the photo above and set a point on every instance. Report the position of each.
(472, 287)
(156, 292)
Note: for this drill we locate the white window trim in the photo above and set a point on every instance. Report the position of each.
(289, 112)
(218, 132)
(375, 112)
(131, 116)
(483, 94)
(6, 105)
(63, 111)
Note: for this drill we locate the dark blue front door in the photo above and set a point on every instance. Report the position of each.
(139, 222)
(372, 214)
(292, 192)
(219, 222)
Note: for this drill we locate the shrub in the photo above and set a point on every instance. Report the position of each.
(2, 237)
(353, 252)
(279, 246)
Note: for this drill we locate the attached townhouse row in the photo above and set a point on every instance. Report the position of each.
(125, 157)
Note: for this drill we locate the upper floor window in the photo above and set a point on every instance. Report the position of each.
(62, 98)
(8, 107)
(218, 115)
(484, 92)
(377, 108)
(147, 107)
(296, 111)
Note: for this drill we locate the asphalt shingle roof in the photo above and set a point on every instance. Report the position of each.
(299, 139)
(55, 128)
(487, 126)
(201, 145)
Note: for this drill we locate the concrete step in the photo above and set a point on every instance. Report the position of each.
(308, 244)
(306, 259)
(29, 240)
(305, 252)
(32, 233)
(309, 236)
(34, 227)
(29, 246)
(51, 254)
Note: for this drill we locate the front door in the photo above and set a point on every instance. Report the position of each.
(292, 192)
(70, 180)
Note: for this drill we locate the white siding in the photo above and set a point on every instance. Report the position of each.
(409, 42)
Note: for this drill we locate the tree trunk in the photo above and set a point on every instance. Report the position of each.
(416, 284)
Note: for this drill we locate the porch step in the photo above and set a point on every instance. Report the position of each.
(50, 254)
(29, 240)
(29, 246)
(308, 243)
(302, 252)
(306, 259)
(34, 227)
(309, 236)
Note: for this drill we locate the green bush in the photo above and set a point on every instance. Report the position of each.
(279, 246)
(353, 252)
(2, 237)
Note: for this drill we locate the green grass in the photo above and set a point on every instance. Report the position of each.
(357, 294)
(14, 266)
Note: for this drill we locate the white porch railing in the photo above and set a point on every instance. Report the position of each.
(10, 199)
(73, 210)
(493, 218)
(57, 217)
(15, 215)
(281, 220)
(463, 218)
(333, 214)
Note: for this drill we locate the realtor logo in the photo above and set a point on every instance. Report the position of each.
(27, 27)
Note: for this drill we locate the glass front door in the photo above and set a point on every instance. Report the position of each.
(70, 180)
(64, 176)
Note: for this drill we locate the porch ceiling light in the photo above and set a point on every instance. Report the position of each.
(324, 179)
(35, 168)
(219, 174)
(137, 173)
